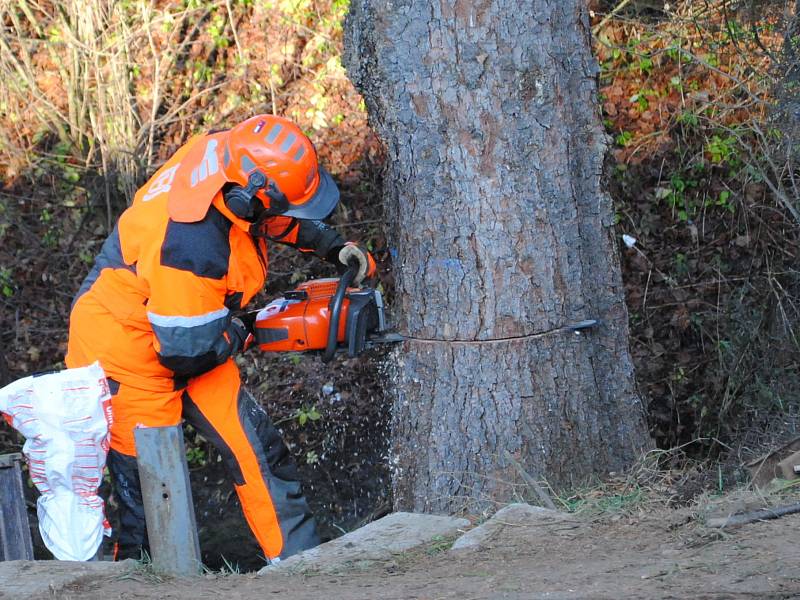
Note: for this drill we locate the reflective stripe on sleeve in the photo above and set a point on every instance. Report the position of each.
(169, 321)
(189, 336)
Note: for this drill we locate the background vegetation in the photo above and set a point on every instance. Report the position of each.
(695, 95)
(701, 107)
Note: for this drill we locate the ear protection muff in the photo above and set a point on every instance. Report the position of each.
(242, 201)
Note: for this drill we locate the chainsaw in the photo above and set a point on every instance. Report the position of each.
(328, 315)
(324, 315)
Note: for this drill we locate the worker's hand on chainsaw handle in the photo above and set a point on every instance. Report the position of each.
(239, 336)
(355, 253)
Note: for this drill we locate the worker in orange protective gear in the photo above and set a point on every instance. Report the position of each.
(157, 311)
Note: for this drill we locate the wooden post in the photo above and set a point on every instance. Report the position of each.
(15, 531)
(167, 498)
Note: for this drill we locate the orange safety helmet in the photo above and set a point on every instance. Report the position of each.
(267, 143)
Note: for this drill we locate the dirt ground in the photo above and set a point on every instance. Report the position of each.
(663, 554)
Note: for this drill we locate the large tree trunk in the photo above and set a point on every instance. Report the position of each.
(503, 236)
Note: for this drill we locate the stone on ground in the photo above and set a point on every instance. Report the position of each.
(377, 541)
(513, 515)
(35, 579)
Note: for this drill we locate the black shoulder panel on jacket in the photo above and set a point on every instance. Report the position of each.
(202, 248)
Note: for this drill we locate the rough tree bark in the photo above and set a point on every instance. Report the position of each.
(502, 236)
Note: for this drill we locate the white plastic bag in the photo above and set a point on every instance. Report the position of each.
(65, 418)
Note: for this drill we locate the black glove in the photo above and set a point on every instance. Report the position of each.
(238, 335)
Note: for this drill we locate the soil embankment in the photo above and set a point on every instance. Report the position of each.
(654, 554)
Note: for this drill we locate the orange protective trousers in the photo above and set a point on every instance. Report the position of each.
(216, 396)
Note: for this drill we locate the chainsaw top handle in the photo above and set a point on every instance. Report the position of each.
(335, 308)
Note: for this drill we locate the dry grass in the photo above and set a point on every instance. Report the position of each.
(66, 68)
(115, 87)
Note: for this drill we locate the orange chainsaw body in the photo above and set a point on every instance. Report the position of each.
(300, 320)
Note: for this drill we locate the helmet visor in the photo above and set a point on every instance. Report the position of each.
(321, 204)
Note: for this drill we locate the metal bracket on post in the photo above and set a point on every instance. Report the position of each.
(15, 530)
(167, 498)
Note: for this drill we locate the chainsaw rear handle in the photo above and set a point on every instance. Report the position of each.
(335, 308)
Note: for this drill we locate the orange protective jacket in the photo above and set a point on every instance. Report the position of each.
(170, 287)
